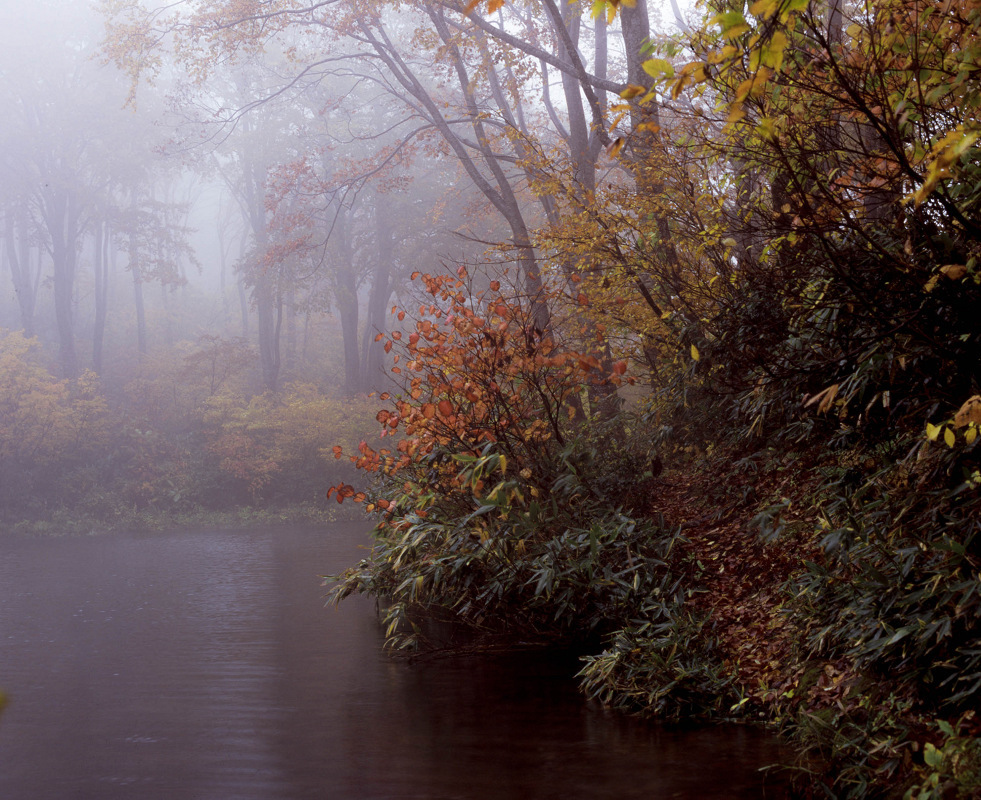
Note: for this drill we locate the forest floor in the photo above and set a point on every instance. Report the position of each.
(742, 586)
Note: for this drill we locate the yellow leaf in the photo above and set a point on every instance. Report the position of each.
(694, 352)
(736, 113)
(772, 53)
(932, 431)
(764, 8)
(825, 398)
(970, 434)
(954, 271)
(632, 91)
(949, 437)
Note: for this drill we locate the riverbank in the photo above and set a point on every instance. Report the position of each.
(69, 522)
(830, 594)
(760, 568)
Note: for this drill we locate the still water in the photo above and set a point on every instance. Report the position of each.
(203, 665)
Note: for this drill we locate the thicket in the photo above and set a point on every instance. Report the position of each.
(792, 268)
(188, 436)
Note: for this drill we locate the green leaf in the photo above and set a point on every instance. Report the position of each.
(932, 756)
(658, 68)
(732, 23)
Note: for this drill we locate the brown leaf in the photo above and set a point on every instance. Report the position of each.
(969, 413)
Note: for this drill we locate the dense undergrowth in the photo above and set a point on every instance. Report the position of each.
(783, 527)
(189, 437)
(842, 611)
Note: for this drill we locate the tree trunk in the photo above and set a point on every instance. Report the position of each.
(61, 219)
(134, 268)
(372, 352)
(268, 322)
(25, 280)
(346, 297)
(100, 252)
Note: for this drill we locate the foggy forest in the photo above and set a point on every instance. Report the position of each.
(644, 332)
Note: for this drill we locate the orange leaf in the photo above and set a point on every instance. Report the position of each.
(445, 408)
(495, 286)
(338, 451)
(428, 410)
(379, 337)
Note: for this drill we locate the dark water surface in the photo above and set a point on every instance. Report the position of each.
(204, 665)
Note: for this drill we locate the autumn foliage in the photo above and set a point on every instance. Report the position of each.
(790, 259)
(475, 372)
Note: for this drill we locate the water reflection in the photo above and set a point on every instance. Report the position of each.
(204, 665)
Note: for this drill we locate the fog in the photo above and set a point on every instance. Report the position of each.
(173, 172)
(203, 206)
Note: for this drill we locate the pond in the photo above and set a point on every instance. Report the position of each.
(204, 664)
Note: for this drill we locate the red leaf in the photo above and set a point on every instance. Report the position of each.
(338, 451)
(445, 408)
(495, 285)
